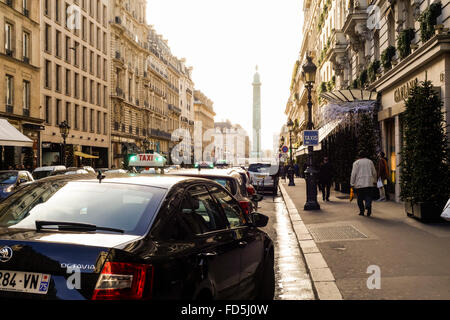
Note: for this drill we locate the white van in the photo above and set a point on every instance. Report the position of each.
(43, 172)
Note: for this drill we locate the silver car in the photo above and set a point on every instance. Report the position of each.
(262, 176)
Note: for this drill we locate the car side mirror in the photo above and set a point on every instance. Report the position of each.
(259, 220)
(257, 197)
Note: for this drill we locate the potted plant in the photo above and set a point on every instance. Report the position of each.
(404, 42)
(387, 56)
(428, 19)
(424, 167)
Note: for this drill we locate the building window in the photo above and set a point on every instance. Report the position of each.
(58, 111)
(48, 37)
(75, 117)
(84, 123)
(99, 66)
(84, 88)
(105, 122)
(26, 47)
(76, 85)
(84, 63)
(9, 90)
(57, 11)
(9, 41)
(58, 44)
(91, 120)
(105, 96)
(84, 26)
(47, 7)
(48, 67)
(68, 49)
(26, 98)
(48, 109)
(91, 62)
(99, 122)
(91, 92)
(58, 78)
(67, 82)
(105, 68)
(75, 53)
(68, 113)
(99, 95)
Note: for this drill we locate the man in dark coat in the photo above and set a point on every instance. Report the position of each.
(325, 178)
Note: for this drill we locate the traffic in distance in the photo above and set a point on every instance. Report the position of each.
(153, 232)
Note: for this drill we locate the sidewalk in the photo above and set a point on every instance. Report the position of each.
(413, 258)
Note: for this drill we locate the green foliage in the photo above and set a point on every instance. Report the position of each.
(323, 87)
(373, 69)
(363, 78)
(428, 19)
(366, 135)
(386, 57)
(425, 171)
(404, 42)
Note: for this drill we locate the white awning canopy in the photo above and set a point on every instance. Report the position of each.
(10, 136)
(349, 95)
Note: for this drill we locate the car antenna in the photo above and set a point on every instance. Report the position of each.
(100, 176)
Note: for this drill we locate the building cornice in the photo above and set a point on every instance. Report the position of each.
(432, 49)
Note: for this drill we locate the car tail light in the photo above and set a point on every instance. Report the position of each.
(251, 190)
(124, 281)
(245, 205)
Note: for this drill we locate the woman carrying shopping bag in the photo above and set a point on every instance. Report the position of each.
(382, 175)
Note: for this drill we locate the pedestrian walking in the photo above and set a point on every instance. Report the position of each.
(363, 180)
(283, 171)
(325, 178)
(382, 175)
(297, 170)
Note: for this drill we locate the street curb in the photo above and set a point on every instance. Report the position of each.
(324, 283)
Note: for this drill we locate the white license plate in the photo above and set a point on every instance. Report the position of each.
(24, 282)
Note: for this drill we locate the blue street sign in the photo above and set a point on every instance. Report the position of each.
(311, 137)
(285, 149)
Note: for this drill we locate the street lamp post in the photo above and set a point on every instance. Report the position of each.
(64, 128)
(309, 75)
(291, 172)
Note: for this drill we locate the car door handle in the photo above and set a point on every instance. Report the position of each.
(207, 254)
(242, 244)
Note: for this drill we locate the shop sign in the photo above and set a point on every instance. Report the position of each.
(402, 92)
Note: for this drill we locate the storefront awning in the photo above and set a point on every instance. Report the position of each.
(10, 136)
(84, 155)
(349, 95)
(323, 133)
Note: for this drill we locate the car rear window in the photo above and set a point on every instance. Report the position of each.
(41, 174)
(227, 183)
(120, 206)
(258, 167)
(8, 177)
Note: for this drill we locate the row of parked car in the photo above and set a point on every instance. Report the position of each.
(187, 234)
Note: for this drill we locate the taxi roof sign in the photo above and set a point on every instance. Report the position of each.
(147, 160)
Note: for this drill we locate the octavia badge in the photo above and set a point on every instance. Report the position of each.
(5, 254)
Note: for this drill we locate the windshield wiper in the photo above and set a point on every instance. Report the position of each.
(74, 226)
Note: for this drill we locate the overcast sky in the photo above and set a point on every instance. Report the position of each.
(224, 40)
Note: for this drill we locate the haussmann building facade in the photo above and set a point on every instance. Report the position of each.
(377, 47)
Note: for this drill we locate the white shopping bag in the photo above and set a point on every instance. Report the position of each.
(380, 183)
(446, 213)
